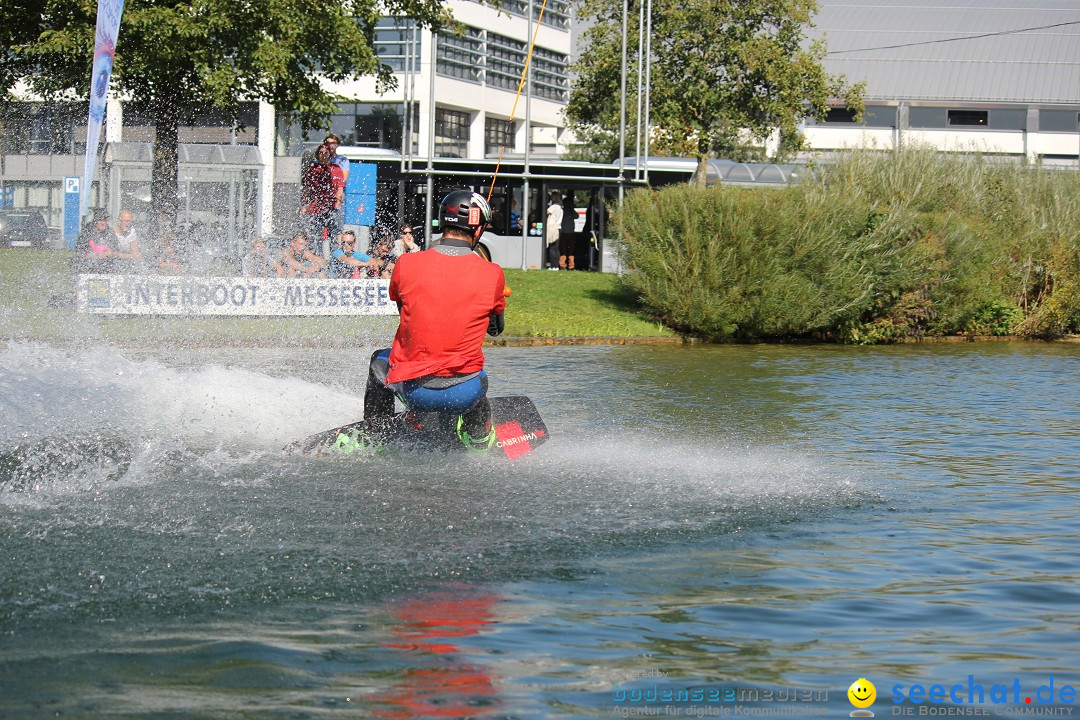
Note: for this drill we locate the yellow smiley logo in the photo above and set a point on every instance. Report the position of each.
(862, 693)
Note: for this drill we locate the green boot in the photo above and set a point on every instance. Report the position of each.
(480, 445)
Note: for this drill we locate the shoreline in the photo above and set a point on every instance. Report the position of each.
(519, 341)
(550, 341)
(546, 309)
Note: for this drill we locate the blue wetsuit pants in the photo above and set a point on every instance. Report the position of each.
(467, 397)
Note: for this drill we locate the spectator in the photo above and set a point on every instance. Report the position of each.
(322, 191)
(332, 141)
(94, 248)
(405, 242)
(298, 261)
(568, 234)
(348, 262)
(595, 223)
(169, 259)
(259, 262)
(127, 256)
(166, 259)
(515, 216)
(552, 228)
(382, 253)
(498, 217)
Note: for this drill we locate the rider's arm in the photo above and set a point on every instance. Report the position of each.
(496, 324)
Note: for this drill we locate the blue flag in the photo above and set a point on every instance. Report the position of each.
(108, 25)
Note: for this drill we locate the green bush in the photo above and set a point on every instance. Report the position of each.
(876, 248)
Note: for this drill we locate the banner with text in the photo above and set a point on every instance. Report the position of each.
(108, 25)
(148, 295)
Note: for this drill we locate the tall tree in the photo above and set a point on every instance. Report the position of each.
(20, 22)
(726, 74)
(177, 59)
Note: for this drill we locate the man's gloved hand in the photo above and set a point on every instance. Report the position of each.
(496, 324)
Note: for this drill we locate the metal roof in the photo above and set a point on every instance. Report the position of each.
(228, 157)
(736, 173)
(727, 171)
(1013, 51)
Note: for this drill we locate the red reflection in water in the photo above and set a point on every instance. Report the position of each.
(446, 686)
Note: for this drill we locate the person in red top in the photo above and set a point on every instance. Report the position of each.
(448, 298)
(322, 193)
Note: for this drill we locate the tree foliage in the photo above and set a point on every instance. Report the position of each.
(726, 74)
(20, 23)
(177, 59)
(877, 247)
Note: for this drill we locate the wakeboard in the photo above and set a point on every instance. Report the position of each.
(517, 428)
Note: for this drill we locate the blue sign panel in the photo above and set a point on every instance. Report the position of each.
(360, 194)
(71, 210)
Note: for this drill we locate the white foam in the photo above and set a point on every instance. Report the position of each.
(233, 422)
(46, 391)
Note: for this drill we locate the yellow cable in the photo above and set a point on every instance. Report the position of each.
(521, 84)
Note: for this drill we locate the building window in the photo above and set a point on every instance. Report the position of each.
(379, 128)
(1009, 118)
(498, 134)
(556, 14)
(506, 61)
(47, 197)
(880, 116)
(376, 125)
(395, 39)
(34, 128)
(461, 56)
(1058, 121)
(550, 79)
(514, 7)
(498, 61)
(362, 124)
(874, 116)
(213, 127)
(969, 118)
(837, 116)
(451, 133)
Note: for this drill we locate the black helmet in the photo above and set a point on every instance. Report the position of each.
(465, 210)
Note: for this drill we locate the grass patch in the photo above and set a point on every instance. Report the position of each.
(28, 278)
(543, 304)
(575, 304)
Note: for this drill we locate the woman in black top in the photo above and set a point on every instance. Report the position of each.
(568, 233)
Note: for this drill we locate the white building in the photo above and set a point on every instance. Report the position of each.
(455, 94)
(994, 76)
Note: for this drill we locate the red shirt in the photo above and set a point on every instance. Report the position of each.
(321, 185)
(445, 305)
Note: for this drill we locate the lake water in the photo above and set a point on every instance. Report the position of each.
(741, 530)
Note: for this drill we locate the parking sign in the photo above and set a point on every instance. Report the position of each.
(71, 210)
